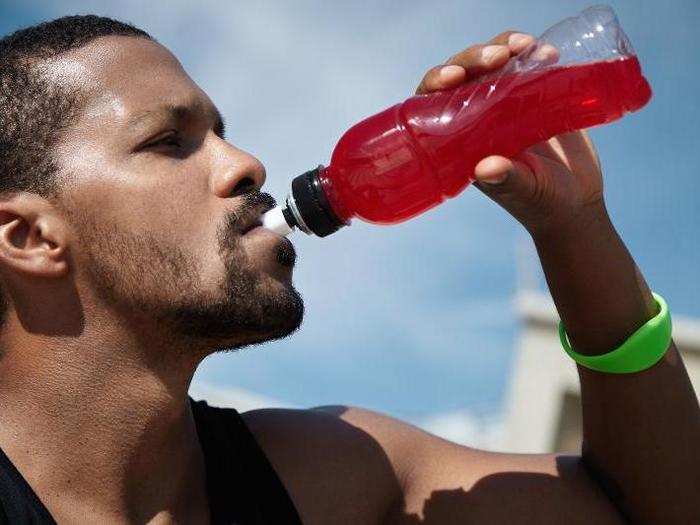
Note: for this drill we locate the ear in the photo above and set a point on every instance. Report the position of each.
(33, 237)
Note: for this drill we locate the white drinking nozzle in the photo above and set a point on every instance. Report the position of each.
(274, 220)
(305, 208)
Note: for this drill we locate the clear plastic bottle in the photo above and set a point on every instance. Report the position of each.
(412, 156)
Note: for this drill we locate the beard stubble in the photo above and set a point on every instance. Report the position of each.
(148, 277)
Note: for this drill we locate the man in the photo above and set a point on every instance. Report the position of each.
(129, 252)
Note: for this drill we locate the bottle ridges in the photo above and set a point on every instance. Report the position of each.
(376, 173)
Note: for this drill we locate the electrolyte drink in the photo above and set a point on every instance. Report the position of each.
(412, 156)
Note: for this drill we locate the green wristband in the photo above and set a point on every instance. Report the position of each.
(642, 350)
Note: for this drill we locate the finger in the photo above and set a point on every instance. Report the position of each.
(551, 149)
(475, 60)
(525, 185)
(481, 58)
(518, 185)
(575, 150)
(496, 169)
(581, 152)
(547, 54)
(442, 77)
(516, 41)
(511, 183)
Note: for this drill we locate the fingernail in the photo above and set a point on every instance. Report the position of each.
(489, 52)
(495, 178)
(519, 40)
(545, 52)
(451, 72)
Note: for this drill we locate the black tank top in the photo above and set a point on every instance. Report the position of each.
(242, 486)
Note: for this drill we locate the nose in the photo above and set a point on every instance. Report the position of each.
(233, 170)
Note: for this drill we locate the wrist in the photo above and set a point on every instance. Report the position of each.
(587, 227)
(600, 294)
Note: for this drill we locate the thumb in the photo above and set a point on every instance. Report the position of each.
(509, 182)
(499, 175)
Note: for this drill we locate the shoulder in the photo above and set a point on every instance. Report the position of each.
(336, 460)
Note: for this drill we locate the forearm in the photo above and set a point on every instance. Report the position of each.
(641, 431)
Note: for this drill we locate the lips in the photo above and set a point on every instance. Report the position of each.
(248, 215)
(254, 224)
(250, 219)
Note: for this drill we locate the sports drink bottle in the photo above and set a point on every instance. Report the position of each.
(414, 155)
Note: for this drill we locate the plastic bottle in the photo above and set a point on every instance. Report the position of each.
(409, 158)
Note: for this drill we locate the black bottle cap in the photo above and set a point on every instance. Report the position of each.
(312, 204)
(289, 217)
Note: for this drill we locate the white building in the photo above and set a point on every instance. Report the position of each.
(543, 407)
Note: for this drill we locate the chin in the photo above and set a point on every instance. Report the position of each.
(251, 315)
(235, 342)
(256, 301)
(272, 254)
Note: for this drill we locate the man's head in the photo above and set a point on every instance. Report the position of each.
(115, 177)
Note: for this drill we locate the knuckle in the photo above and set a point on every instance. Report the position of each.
(469, 57)
(503, 35)
(431, 76)
(429, 80)
(435, 70)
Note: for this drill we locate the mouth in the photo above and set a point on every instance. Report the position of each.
(248, 215)
(251, 226)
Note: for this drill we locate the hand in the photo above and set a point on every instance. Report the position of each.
(551, 187)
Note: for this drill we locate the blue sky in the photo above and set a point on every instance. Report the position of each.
(416, 319)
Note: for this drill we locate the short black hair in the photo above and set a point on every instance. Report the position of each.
(35, 111)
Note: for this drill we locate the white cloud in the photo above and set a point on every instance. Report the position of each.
(484, 431)
(241, 399)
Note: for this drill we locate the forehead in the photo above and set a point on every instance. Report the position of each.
(124, 75)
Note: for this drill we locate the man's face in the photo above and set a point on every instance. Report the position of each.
(161, 205)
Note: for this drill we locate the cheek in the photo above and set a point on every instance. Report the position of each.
(143, 187)
(170, 202)
(214, 259)
(173, 212)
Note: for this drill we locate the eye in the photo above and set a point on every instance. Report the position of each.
(173, 140)
(170, 139)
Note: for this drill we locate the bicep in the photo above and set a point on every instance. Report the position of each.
(463, 485)
(444, 483)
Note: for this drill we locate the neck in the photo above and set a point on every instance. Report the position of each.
(99, 422)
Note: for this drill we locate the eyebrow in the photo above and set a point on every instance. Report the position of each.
(179, 113)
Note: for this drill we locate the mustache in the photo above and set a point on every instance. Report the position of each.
(254, 204)
(254, 199)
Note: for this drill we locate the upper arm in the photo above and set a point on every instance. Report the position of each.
(334, 471)
(442, 482)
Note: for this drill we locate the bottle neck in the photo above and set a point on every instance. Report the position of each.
(327, 178)
(310, 207)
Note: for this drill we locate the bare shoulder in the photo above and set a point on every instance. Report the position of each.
(351, 465)
(337, 462)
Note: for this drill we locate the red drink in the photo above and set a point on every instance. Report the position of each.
(412, 156)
